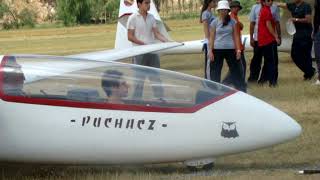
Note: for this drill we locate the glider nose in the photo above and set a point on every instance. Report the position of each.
(258, 123)
(284, 127)
(275, 125)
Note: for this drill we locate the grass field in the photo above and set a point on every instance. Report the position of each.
(300, 99)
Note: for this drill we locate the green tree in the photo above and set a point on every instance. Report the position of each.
(246, 6)
(74, 11)
(27, 18)
(98, 8)
(112, 8)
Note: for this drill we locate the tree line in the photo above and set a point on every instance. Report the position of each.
(73, 12)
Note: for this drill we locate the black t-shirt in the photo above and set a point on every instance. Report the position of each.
(303, 30)
(316, 19)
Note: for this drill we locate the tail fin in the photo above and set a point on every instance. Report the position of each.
(128, 7)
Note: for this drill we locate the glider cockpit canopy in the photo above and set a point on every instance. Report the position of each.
(62, 81)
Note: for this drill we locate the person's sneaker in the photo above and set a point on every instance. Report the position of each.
(261, 82)
(317, 82)
(308, 78)
(273, 85)
(252, 80)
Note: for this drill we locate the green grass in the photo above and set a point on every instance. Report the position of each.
(294, 96)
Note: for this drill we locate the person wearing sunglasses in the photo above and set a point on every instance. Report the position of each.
(224, 43)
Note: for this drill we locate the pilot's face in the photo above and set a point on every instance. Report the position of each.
(123, 89)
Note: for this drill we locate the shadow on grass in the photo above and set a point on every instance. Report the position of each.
(12, 171)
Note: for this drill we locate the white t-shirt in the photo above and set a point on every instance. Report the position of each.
(142, 28)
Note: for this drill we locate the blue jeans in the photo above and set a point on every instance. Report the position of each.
(317, 50)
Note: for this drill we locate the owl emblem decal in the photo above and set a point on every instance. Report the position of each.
(229, 130)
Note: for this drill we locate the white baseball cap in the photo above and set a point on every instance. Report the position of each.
(223, 4)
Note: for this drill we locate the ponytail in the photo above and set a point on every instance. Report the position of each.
(226, 20)
(204, 7)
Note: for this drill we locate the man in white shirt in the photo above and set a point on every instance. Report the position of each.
(142, 30)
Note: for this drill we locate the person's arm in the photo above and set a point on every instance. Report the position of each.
(237, 41)
(316, 18)
(158, 35)
(211, 42)
(240, 25)
(132, 37)
(206, 29)
(307, 19)
(272, 31)
(252, 24)
(252, 18)
(278, 28)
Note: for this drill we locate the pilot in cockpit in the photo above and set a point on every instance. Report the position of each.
(13, 78)
(115, 87)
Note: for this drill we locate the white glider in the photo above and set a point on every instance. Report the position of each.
(55, 110)
(66, 117)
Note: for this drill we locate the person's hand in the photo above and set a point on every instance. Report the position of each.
(238, 55)
(280, 41)
(293, 19)
(211, 56)
(252, 42)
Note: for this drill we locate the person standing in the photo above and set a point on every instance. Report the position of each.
(267, 42)
(316, 36)
(206, 19)
(256, 61)
(224, 44)
(142, 30)
(302, 41)
(235, 7)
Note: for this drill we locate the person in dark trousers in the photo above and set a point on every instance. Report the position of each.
(316, 36)
(235, 7)
(224, 44)
(267, 41)
(206, 18)
(256, 61)
(302, 39)
(275, 11)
